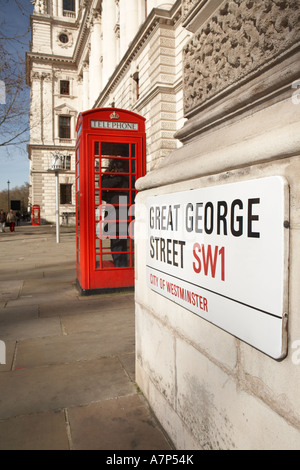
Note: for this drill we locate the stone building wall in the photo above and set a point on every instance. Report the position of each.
(155, 56)
(48, 62)
(208, 387)
(110, 44)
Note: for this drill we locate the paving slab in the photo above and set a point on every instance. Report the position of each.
(72, 348)
(45, 297)
(10, 290)
(66, 275)
(45, 431)
(77, 304)
(21, 273)
(123, 423)
(38, 389)
(64, 307)
(44, 286)
(128, 362)
(15, 314)
(113, 300)
(30, 328)
(10, 348)
(107, 322)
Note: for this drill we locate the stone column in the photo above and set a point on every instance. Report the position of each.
(80, 92)
(35, 108)
(47, 118)
(60, 8)
(95, 58)
(129, 23)
(39, 6)
(109, 40)
(141, 11)
(85, 87)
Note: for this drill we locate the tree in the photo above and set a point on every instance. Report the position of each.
(18, 193)
(14, 98)
(13, 126)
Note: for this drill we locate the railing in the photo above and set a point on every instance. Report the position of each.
(69, 14)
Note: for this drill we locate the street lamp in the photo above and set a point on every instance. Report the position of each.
(56, 168)
(8, 183)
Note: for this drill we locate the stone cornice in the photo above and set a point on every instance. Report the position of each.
(49, 147)
(64, 173)
(236, 146)
(239, 41)
(82, 36)
(251, 94)
(196, 12)
(55, 20)
(157, 89)
(39, 57)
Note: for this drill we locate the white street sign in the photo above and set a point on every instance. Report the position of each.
(222, 253)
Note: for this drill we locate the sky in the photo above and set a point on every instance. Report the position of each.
(15, 21)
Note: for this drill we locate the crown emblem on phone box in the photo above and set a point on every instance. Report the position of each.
(114, 115)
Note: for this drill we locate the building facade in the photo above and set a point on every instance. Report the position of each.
(100, 53)
(217, 325)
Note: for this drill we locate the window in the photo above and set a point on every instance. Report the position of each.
(67, 162)
(63, 38)
(66, 194)
(64, 127)
(69, 5)
(64, 87)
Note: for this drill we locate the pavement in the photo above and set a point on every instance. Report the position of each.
(68, 382)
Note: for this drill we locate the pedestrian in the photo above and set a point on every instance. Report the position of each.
(2, 220)
(18, 215)
(11, 219)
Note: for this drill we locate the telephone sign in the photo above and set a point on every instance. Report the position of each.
(125, 126)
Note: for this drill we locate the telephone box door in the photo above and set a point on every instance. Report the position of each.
(36, 215)
(115, 159)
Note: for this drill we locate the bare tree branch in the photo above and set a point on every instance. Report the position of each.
(14, 112)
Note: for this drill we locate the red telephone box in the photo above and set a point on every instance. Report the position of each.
(110, 156)
(36, 215)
